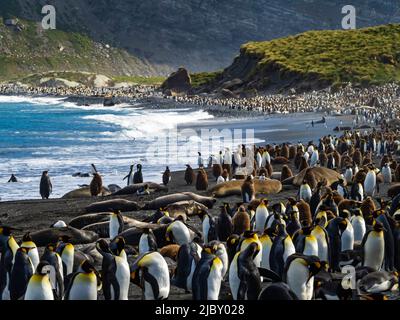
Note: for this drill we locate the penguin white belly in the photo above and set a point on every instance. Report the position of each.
(289, 248)
(181, 234)
(214, 281)
(374, 249)
(220, 180)
(161, 273)
(341, 192)
(68, 259)
(34, 256)
(6, 292)
(130, 179)
(311, 247)
(348, 238)
(39, 288)
(261, 219)
(387, 175)
(114, 227)
(123, 277)
(305, 193)
(84, 287)
(266, 251)
(359, 228)
(206, 228)
(144, 244)
(297, 276)
(348, 175)
(190, 277)
(322, 246)
(234, 281)
(369, 184)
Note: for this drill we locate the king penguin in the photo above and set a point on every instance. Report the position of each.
(147, 241)
(129, 177)
(335, 229)
(220, 251)
(207, 277)
(359, 226)
(116, 224)
(322, 237)
(305, 242)
(31, 248)
(9, 251)
(281, 249)
(299, 274)
(21, 272)
(138, 175)
(188, 256)
(66, 251)
(373, 245)
(261, 216)
(84, 283)
(178, 233)
(224, 224)
(53, 258)
(305, 192)
(209, 227)
(150, 272)
(370, 183)
(39, 285)
(267, 239)
(115, 273)
(247, 238)
(244, 278)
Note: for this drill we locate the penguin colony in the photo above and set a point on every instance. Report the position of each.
(293, 249)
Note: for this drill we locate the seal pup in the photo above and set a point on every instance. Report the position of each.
(46, 187)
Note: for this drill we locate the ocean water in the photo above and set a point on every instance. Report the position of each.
(39, 134)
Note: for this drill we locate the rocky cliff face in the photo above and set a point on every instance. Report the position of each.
(200, 34)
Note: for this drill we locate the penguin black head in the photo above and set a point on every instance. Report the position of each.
(51, 247)
(117, 245)
(315, 266)
(27, 237)
(41, 266)
(87, 267)
(378, 227)
(6, 231)
(102, 246)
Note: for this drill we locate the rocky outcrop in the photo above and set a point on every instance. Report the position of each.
(177, 83)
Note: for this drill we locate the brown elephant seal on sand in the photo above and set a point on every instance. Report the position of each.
(187, 208)
(233, 187)
(132, 189)
(44, 237)
(103, 228)
(112, 205)
(87, 219)
(319, 173)
(164, 201)
(84, 193)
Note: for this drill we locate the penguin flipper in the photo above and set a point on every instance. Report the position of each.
(241, 295)
(153, 282)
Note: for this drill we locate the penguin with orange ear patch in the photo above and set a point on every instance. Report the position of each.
(202, 180)
(248, 190)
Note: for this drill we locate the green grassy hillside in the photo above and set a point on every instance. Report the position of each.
(365, 56)
(33, 50)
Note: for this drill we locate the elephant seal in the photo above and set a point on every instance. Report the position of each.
(87, 219)
(188, 208)
(132, 189)
(164, 201)
(111, 205)
(44, 237)
(84, 192)
(233, 187)
(103, 228)
(132, 235)
(319, 173)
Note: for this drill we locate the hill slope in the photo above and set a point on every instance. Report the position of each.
(201, 35)
(314, 60)
(34, 50)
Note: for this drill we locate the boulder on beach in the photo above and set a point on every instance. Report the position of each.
(177, 83)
